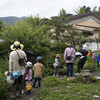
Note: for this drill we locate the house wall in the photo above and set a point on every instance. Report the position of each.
(89, 25)
(93, 46)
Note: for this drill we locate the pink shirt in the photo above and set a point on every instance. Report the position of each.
(28, 76)
(69, 52)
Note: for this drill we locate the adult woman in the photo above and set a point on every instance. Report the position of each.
(69, 57)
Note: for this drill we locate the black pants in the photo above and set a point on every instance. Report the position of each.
(81, 63)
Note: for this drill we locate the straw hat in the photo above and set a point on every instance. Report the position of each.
(58, 55)
(68, 44)
(16, 45)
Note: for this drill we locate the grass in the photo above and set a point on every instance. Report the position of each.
(61, 89)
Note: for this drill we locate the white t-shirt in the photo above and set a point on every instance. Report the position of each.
(85, 47)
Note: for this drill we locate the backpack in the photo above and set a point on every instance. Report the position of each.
(21, 61)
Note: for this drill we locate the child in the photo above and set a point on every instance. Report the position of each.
(57, 64)
(38, 69)
(94, 58)
(28, 75)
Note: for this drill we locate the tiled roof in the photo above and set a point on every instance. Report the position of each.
(84, 15)
(74, 17)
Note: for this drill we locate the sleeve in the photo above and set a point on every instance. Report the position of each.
(42, 67)
(56, 61)
(10, 63)
(65, 54)
(74, 55)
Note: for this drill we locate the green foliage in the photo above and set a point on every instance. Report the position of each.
(51, 81)
(35, 36)
(4, 65)
(62, 89)
(83, 10)
(48, 71)
(4, 86)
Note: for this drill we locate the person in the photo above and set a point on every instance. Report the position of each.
(15, 67)
(30, 56)
(94, 58)
(69, 57)
(57, 64)
(28, 76)
(38, 69)
(83, 58)
(98, 58)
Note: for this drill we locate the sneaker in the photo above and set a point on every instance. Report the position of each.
(65, 76)
(22, 91)
(54, 75)
(13, 97)
(57, 75)
(77, 74)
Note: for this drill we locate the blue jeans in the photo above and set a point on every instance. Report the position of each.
(69, 69)
(35, 80)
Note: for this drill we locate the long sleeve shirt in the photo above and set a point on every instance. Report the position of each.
(13, 61)
(69, 52)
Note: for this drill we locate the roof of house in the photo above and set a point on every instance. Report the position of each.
(75, 17)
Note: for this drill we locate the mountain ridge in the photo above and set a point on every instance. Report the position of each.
(11, 19)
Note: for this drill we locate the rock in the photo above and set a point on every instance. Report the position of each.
(85, 73)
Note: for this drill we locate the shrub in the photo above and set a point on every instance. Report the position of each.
(51, 81)
(3, 65)
(4, 86)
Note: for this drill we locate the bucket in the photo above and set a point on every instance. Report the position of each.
(28, 87)
(15, 75)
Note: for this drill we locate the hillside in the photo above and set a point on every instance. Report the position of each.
(11, 20)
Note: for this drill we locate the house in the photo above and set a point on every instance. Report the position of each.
(88, 23)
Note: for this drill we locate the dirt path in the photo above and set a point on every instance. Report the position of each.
(34, 92)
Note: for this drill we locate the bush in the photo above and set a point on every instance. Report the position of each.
(4, 65)
(51, 81)
(4, 86)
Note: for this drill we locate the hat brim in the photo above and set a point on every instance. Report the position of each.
(12, 47)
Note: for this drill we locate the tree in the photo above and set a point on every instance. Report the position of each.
(58, 24)
(95, 10)
(34, 36)
(84, 9)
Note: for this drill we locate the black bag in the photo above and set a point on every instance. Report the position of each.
(21, 61)
(68, 58)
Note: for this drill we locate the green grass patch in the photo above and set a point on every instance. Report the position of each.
(61, 89)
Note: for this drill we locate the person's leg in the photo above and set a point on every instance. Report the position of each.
(83, 62)
(20, 86)
(39, 82)
(34, 82)
(78, 66)
(57, 70)
(67, 65)
(14, 90)
(71, 69)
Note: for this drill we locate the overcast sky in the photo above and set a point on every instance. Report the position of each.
(45, 8)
